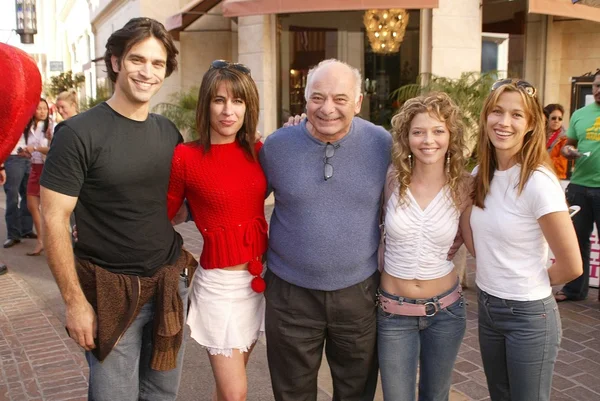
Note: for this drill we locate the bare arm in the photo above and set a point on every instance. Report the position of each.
(560, 234)
(569, 151)
(81, 318)
(465, 229)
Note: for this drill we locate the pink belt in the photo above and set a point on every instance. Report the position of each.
(429, 308)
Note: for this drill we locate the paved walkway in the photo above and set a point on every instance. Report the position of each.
(39, 362)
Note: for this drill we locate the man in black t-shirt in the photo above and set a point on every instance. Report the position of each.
(111, 166)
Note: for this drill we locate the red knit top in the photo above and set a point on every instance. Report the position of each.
(225, 190)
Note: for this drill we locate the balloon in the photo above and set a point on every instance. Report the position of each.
(20, 91)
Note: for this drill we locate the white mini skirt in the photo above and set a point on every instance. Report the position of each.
(225, 313)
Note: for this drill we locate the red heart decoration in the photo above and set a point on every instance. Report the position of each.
(20, 91)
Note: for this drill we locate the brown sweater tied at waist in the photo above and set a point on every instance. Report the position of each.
(118, 298)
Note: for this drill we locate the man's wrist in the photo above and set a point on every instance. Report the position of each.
(1, 166)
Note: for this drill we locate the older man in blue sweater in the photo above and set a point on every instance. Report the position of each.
(327, 175)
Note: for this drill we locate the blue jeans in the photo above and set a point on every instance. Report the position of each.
(589, 200)
(125, 374)
(519, 342)
(405, 341)
(18, 218)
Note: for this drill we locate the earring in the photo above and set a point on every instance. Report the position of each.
(447, 162)
(410, 161)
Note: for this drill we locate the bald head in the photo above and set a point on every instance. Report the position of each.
(338, 69)
(333, 98)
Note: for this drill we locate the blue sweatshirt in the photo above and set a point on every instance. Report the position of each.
(324, 234)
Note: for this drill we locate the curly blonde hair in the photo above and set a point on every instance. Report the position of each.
(440, 106)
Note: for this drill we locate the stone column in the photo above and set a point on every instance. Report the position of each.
(257, 48)
(456, 38)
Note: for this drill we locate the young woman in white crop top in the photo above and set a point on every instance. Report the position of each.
(421, 314)
(519, 208)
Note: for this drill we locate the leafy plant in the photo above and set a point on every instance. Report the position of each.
(103, 93)
(64, 81)
(182, 111)
(469, 92)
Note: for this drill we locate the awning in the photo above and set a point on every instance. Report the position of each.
(565, 8)
(187, 15)
(240, 8)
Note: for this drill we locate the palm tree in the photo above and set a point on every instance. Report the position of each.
(182, 111)
(469, 92)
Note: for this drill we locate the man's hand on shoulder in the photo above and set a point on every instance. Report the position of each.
(295, 120)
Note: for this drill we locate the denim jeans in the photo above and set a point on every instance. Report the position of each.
(18, 218)
(589, 200)
(125, 374)
(519, 343)
(404, 342)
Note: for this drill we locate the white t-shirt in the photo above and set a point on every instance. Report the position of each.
(512, 252)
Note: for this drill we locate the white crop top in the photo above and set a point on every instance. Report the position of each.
(417, 241)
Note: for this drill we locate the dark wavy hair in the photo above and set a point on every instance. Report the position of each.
(134, 32)
(241, 86)
(32, 122)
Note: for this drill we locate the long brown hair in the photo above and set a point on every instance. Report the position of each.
(440, 106)
(533, 152)
(241, 86)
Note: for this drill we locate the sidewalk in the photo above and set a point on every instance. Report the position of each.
(39, 362)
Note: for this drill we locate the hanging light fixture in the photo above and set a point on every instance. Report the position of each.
(26, 20)
(385, 29)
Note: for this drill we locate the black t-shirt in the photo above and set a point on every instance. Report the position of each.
(119, 170)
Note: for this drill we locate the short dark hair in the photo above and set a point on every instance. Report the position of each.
(134, 32)
(553, 106)
(597, 73)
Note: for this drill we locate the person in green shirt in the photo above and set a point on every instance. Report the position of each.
(583, 144)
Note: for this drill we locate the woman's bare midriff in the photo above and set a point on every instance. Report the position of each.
(418, 289)
(243, 266)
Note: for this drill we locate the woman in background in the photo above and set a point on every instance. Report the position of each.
(37, 134)
(556, 138)
(66, 104)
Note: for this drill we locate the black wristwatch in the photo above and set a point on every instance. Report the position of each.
(2, 167)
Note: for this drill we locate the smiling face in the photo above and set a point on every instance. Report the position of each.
(555, 120)
(507, 125)
(66, 109)
(428, 139)
(332, 102)
(226, 115)
(142, 71)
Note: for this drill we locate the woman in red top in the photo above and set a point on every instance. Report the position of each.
(556, 138)
(221, 178)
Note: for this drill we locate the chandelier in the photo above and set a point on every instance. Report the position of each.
(385, 29)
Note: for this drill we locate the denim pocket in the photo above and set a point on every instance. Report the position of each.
(381, 314)
(457, 310)
(528, 308)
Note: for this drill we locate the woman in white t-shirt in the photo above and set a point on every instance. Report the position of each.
(421, 316)
(37, 134)
(519, 209)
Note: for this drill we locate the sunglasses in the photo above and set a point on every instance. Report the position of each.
(522, 85)
(329, 152)
(221, 64)
(556, 118)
